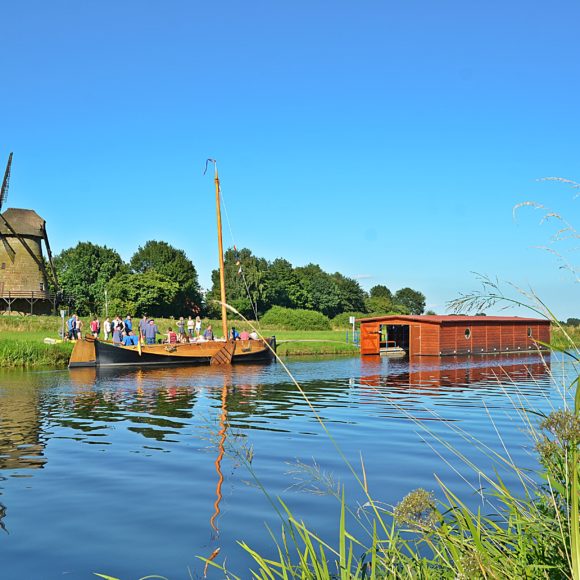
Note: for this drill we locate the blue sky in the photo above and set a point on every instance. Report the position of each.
(389, 141)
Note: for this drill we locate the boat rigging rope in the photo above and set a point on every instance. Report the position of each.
(238, 262)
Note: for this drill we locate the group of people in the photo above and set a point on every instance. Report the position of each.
(244, 335)
(74, 327)
(122, 331)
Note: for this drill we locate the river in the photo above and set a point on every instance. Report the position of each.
(135, 472)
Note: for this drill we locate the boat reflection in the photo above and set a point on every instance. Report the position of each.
(168, 404)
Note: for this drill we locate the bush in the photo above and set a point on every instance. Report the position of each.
(341, 320)
(295, 319)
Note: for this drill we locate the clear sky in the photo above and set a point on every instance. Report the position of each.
(386, 140)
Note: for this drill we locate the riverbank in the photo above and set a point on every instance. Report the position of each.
(21, 340)
(22, 346)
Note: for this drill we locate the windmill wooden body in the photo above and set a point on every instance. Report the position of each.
(24, 278)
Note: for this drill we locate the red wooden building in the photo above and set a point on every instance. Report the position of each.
(452, 335)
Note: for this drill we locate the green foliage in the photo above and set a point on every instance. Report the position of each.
(342, 320)
(148, 293)
(322, 291)
(411, 299)
(83, 273)
(381, 291)
(283, 286)
(22, 353)
(254, 271)
(172, 264)
(352, 296)
(573, 321)
(295, 319)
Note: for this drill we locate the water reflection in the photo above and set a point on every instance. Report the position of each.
(125, 410)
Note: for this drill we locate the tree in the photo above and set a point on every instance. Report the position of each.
(413, 300)
(137, 294)
(245, 280)
(283, 286)
(381, 291)
(352, 296)
(173, 264)
(573, 321)
(321, 290)
(83, 273)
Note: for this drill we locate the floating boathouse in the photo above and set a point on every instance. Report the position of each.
(452, 335)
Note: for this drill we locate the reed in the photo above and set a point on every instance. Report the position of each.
(17, 353)
(531, 533)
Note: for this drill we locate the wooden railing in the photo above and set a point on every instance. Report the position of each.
(28, 294)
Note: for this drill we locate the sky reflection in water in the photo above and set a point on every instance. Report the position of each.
(135, 472)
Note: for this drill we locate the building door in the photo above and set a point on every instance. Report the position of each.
(415, 340)
(369, 339)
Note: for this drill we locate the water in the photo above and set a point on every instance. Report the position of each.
(132, 473)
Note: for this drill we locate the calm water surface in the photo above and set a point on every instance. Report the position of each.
(136, 472)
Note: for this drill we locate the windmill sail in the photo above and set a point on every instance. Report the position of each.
(5, 183)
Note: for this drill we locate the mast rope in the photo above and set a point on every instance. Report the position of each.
(238, 260)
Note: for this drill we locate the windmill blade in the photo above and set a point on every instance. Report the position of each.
(50, 260)
(5, 182)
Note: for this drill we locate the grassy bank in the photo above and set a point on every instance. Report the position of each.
(21, 340)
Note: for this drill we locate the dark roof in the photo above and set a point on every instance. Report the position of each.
(24, 221)
(450, 318)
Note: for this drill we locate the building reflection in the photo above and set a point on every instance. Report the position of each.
(21, 441)
(436, 373)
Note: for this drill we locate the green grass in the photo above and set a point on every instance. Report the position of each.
(21, 340)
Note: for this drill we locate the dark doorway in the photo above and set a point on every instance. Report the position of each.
(394, 336)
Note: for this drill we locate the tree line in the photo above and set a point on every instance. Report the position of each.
(161, 280)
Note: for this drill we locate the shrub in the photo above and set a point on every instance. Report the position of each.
(295, 319)
(341, 320)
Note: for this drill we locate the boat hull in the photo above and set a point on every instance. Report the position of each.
(95, 353)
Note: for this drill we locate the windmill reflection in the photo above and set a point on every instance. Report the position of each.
(22, 444)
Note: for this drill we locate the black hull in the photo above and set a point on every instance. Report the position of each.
(108, 355)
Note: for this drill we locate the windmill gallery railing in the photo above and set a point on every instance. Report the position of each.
(31, 297)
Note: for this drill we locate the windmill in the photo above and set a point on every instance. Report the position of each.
(23, 272)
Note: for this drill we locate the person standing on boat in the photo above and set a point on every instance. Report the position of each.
(151, 332)
(108, 328)
(143, 326)
(128, 325)
(208, 334)
(197, 326)
(190, 326)
(181, 328)
(95, 327)
(117, 336)
(244, 335)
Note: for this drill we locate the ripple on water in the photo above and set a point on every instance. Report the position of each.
(134, 472)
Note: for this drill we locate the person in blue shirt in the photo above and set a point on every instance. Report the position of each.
(128, 325)
(151, 331)
(72, 327)
(130, 340)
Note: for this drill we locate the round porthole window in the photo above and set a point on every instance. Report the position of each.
(530, 331)
(467, 333)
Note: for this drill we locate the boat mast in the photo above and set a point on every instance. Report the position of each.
(220, 249)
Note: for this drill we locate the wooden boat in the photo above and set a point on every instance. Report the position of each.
(90, 352)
